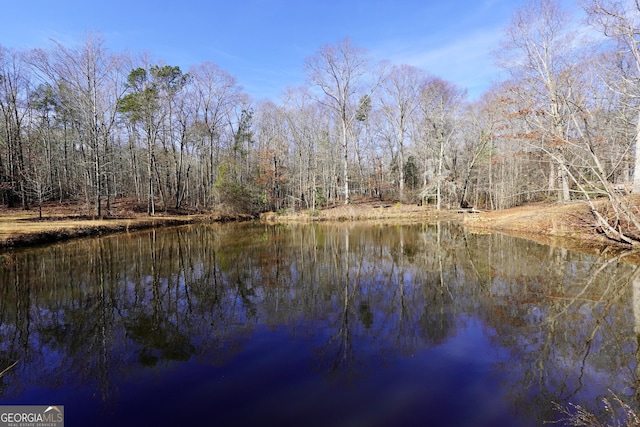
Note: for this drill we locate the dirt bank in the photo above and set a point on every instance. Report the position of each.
(560, 220)
(569, 225)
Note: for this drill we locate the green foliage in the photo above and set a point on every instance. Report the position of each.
(411, 173)
(168, 77)
(44, 98)
(137, 79)
(143, 98)
(236, 197)
(264, 199)
(137, 105)
(320, 198)
(364, 108)
(145, 88)
(244, 132)
(232, 193)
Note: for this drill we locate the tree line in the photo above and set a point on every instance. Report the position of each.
(84, 124)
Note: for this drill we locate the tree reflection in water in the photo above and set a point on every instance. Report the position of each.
(538, 323)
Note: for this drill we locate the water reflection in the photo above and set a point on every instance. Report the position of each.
(456, 328)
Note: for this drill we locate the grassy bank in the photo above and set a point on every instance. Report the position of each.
(364, 211)
(20, 228)
(569, 225)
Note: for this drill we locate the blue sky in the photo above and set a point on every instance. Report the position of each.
(263, 43)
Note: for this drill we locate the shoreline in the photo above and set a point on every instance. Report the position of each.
(563, 225)
(26, 229)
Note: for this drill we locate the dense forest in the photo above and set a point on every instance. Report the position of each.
(86, 125)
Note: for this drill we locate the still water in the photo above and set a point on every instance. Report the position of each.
(341, 325)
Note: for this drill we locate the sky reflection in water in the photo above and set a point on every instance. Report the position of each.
(314, 325)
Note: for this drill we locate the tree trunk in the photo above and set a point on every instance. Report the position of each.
(345, 162)
(439, 178)
(636, 171)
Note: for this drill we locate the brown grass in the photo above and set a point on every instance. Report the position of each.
(65, 221)
(549, 223)
(568, 224)
(616, 413)
(362, 211)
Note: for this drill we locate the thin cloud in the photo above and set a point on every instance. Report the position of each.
(466, 61)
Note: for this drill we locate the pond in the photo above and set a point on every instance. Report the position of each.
(341, 325)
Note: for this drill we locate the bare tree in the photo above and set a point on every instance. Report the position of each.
(555, 85)
(95, 81)
(168, 81)
(309, 126)
(536, 51)
(273, 154)
(620, 20)
(401, 89)
(440, 103)
(339, 71)
(141, 107)
(14, 95)
(216, 94)
(507, 177)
